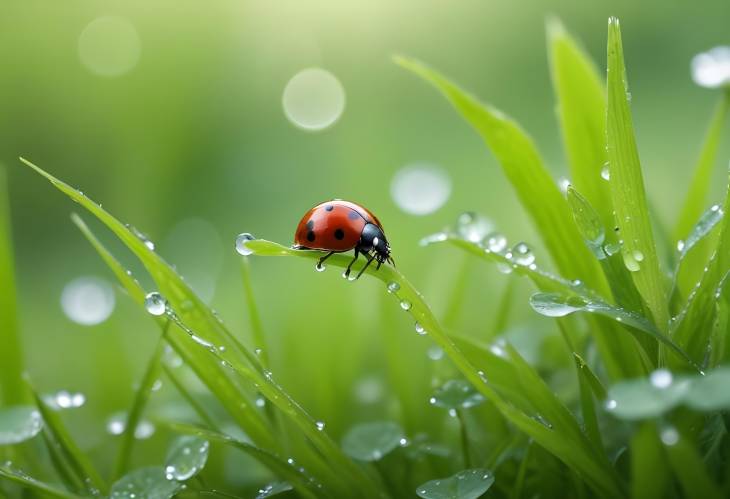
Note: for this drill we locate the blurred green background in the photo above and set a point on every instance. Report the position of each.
(191, 145)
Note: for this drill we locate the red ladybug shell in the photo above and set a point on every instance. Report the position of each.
(333, 226)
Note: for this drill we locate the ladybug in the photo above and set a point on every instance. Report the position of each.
(337, 226)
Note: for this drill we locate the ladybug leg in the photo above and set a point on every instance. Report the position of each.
(349, 267)
(321, 260)
(370, 259)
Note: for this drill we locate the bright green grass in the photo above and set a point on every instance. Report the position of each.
(641, 345)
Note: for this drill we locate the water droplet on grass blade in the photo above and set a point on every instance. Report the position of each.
(473, 227)
(155, 303)
(273, 489)
(496, 242)
(669, 436)
(393, 287)
(241, 241)
(661, 378)
(522, 254)
(405, 305)
(187, 457)
(605, 172)
(320, 425)
(433, 238)
(419, 329)
(630, 262)
(435, 353)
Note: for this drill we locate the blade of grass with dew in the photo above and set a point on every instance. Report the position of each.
(579, 457)
(282, 469)
(582, 113)
(649, 471)
(34, 486)
(521, 162)
(212, 374)
(627, 186)
(139, 403)
(11, 356)
(699, 186)
(253, 312)
(693, 326)
(59, 437)
(618, 354)
(690, 469)
(193, 316)
(588, 386)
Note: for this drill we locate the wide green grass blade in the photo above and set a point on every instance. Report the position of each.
(650, 475)
(11, 355)
(570, 447)
(693, 326)
(77, 462)
(32, 485)
(582, 113)
(195, 319)
(521, 162)
(694, 204)
(627, 186)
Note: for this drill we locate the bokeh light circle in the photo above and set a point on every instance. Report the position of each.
(88, 300)
(109, 46)
(420, 188)
(313, 99)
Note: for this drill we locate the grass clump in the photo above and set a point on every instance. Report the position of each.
(643, 343)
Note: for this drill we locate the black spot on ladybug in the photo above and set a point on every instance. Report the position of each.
(310, 236)
(353, 215)
(329, 207)
(310, 225)
(339, 234)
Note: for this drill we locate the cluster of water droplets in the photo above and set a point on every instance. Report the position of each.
(63, 399)
(117, 423)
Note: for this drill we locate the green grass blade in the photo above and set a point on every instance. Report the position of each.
(11, 355)
(189, 398)
(694, 204)
(521, 162)
(282, 469)
(582, 113)
(253, 313)
(139, 404)
(690, 469)
(33, 485)
(649, 471)
(627, 186)
(61, 440)
(693, 326)
(195, 319)
(588, 383)
(580, 457)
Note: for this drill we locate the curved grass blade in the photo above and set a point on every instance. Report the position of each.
(693, 326)
(63, 444)
(521, 162)
(579, 456)
(582, 113)
(304, 484)
(36, 486)
(216, 377)
(627, 186)
(11, 356)
(558, 305)
(700, 184)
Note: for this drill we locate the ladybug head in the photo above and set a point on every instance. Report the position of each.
(372, 239)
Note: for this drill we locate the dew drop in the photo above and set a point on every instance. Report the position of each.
(435, 353)
(496, 242)
(241, 242)
(419, 329)
(320, 425)
(473, 227)
(661, 378)
(680, 245)
(405, 305)
(522, 254)
(155, 303)
(605, 172)
(611, 404)
(612, 248)
(669, 436)
(638, 255)
(630, 262)
(393, 287)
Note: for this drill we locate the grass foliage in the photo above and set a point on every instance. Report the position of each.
(640, 348)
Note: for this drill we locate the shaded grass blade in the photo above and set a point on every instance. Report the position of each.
(59, 438)
(521, 162)
(649, 471)
(11, 355)
(570, 446)
(582, 113)
(627, 186)
(33, 485)
(253, 312)
(694, 204)
(194, 318)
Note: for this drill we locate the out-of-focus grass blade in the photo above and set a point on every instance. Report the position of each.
(36, 486)
(253, 313)
(139, 403)
(689, 466)
(582, 113)
(700, 184)
(693, 326)
(649, 471)
(578, 455)
(195, 318)
(11, 356)
(589, 385)
(282, 469)
(521, 162)
(627, 186)
(58, 437)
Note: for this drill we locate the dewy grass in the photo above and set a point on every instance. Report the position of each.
(641, 412)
